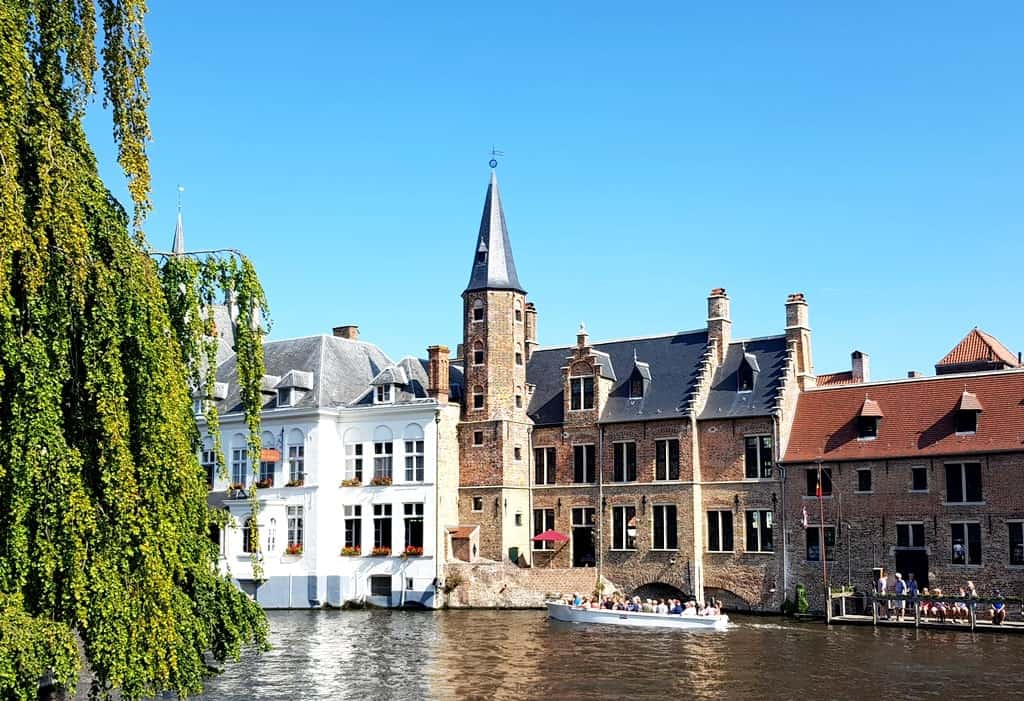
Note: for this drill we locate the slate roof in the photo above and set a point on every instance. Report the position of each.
(673, 360)
(978, 347)
(919, 418)
(342, 370)
(498, 269)
(767, 357)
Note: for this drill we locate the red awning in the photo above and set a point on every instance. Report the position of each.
(551, 536)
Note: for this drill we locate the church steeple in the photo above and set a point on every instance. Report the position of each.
(493, 265)
(178, 246)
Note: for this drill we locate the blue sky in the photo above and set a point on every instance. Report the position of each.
(870, 157)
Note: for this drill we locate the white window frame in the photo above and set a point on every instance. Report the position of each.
(240, 471)
(759, 467)
(623, 534)
(1014, 522)
(474, 501)
(578, 383)
(354, 461)
(910, 532)
(589, 468)
(927, 480)
(384, 394)
(296, 535)
(732, 527)
(548, 468)
(383, 457)
(675, 527)
(352, 514)
(547, 523)
(414, 463)
(665, 444)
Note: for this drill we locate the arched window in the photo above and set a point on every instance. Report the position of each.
(478, 397)
(519, 355)
(296, 458)
(478, 353)
(272, 536)
(383, 456)
(239, 461)
(250, 530)
(478, 310)
(354, 456)
(518, 313)
(413, 437)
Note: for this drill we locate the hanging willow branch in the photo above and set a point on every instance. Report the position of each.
(103, 516)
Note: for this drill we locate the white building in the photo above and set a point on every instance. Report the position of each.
(357, 478)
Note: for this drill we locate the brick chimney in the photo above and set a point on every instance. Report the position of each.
(719, 323)
(351, 332)
(531, 329)
(859, 363)
(437, 373)
(798, 337)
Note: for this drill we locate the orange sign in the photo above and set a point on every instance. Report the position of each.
(270, 455)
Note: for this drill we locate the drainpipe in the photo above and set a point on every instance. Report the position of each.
(698, 511)
(600, 501)
(437, 504)
(782, 502)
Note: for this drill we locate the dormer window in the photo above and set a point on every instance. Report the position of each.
(868, 418)
(965, 419)
(384, 394)
(746, 372)
(285, 396)
(636, 387)
(867, 426)
(581, 393)
(481, 257)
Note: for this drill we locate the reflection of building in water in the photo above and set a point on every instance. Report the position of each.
(918, 476)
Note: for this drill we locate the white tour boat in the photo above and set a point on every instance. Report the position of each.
(564, 612)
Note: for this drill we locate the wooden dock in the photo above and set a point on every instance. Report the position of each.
(978, 618)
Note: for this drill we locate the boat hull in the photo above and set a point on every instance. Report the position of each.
(563, 612)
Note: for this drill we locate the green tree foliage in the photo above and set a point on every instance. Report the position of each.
(103, 516)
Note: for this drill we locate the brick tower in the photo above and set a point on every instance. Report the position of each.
(494, 434)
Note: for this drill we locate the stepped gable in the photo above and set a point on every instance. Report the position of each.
(767, 357)
(918, 418)
(673, 361)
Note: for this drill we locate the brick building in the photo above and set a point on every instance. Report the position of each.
(655, 455)
(919, 475)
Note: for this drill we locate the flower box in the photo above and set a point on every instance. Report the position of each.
(354, 482)
(381, 482)
(293, 549)
(296, 483)
(412, 551)
(351, 552)
(265, 484)
(381, 552)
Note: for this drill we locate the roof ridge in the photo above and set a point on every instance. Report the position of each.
(624, 340)
(926, 378)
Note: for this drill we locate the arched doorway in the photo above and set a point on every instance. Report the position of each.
(731, 601)
(659, 590)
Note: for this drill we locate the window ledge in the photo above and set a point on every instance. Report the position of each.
(867, 438)
(758, 552)
(964, 503)
(816, 562)
(967, 567)
(616, 483)
(870, 491)
(721, 552)
(811, 496)
(917, 491)
(664, 550)
(964, 434)
(623, 550)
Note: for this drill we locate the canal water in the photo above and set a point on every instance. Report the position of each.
(522, 655)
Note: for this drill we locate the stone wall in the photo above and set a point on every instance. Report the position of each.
(503, 585)
(870, 518)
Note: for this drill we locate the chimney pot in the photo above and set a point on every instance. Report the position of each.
(350, 331)
(914, 373)
(437, 373)
(860, 366)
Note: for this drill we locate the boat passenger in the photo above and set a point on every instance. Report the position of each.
(677, 607)
(647, 606)
(577, 600)
(709, 610)
(662, 607)
(691, 609)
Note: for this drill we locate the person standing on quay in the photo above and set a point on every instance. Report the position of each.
(912, 590)
(900, 589)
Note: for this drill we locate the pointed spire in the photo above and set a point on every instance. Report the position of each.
(493, 265)
(178, 247)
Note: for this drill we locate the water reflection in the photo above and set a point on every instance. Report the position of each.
(521, 655)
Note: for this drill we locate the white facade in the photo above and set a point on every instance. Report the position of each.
(304, 527)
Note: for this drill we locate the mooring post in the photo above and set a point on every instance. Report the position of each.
(974, 618)
(874, 611)
(917, 614)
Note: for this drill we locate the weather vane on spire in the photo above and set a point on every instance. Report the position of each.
(495, 155)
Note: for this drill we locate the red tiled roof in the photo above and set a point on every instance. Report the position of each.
(462, 531)
(978, 346)
(831, 379)
(870, 408)
(969, 402)
(918, 418)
